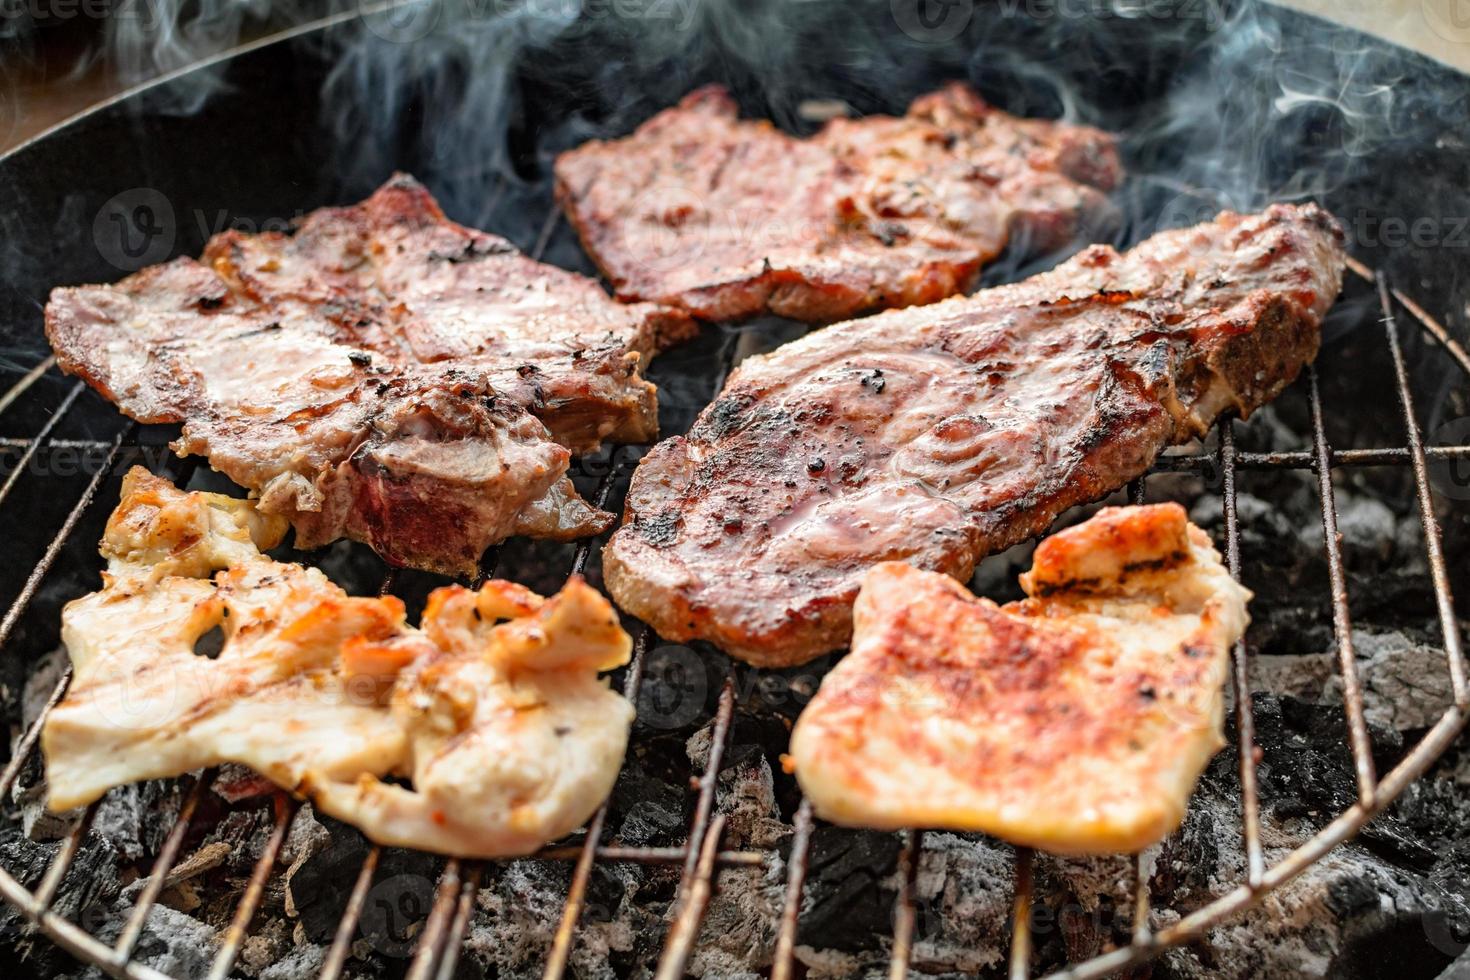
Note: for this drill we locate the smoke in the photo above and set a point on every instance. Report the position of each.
(1221, 103)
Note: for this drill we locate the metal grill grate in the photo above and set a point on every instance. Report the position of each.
(701, 856)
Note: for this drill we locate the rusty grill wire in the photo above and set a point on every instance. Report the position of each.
(701, 857)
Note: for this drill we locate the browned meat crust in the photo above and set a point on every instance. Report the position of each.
(382, 374)
(728, 218)
(939, 435)
(1076, 721)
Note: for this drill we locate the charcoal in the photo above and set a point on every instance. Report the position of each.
(91, 882)
(653, 812)
(135, 819)
(848, 901)
(320, 882)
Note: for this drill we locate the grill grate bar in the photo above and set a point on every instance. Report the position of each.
(692, 906)
(31, 445)
(461, 921)
(1142, 908)
(1245, 719)
(23, 385)
(1429, 522)
(695, 879)
(336, 957)
(1020, 967)
(65, 855)
(224, 960)
(1352, 688)
(25, 442)
(122, 950)
(1430, 324)
(548, 228)
(649, 855)
(48, 558)
(801, 839)
(1302, 460)
(905, 911)
(724, 714)
(436, 928)
(27, 743)
(571, 913)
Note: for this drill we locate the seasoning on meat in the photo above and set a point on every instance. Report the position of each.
(1076, 721)
(997, 412)
(494, 709)
(728, 218)
(367, 375)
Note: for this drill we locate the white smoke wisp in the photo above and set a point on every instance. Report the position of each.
(1221, 103)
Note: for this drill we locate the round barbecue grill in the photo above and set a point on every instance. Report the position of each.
(1391, 372)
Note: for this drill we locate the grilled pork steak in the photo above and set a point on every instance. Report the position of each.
(383, 374)
(939, 435)
(728, 218)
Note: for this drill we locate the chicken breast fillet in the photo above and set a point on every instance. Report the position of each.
(494, 708)
(1076, 721)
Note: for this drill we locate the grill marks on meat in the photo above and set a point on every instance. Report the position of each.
(1076, 721)
(382, 374)
(939, 435)
(494, 709)
(728, 218)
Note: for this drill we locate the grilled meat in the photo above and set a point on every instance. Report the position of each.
(508, 736)
(1076, 721)
(728, 218)
(382, 374)
(941, 434)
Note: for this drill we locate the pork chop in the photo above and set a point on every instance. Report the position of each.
(940, 434)
(383, 374)
(1076, 721)
(728, 218)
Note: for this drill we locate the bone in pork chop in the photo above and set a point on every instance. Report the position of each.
(382, 374)
(1077, 720)
(941, 434)
(729, 218)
